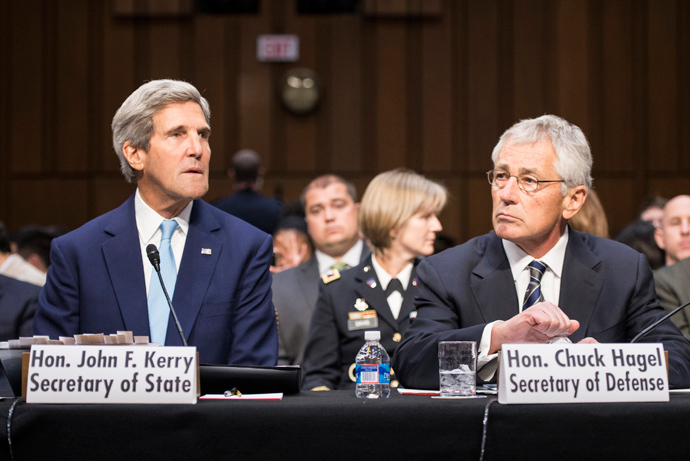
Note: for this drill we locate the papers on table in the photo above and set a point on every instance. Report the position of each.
(275, 396)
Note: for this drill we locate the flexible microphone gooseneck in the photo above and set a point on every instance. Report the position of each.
(155, 259)
(646, 331)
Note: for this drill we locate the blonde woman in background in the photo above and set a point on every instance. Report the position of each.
(398, 215)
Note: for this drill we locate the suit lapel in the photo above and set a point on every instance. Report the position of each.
(493, 285)
(122, 255)
(580, 284)
(309, 282)
(196, 270)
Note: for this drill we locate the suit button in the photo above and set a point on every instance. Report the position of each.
(394, 383)
(397, 337)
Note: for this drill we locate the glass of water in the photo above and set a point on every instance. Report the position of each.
(457, 366)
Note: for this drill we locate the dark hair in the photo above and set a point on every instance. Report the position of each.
(639, 235)
(4, 239)
(246, 163)
(35, 240)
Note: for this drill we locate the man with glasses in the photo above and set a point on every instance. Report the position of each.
(534, 279)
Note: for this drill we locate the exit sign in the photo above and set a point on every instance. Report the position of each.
(277, 48)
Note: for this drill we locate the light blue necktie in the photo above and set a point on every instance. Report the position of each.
(159, 312)
(533, 294)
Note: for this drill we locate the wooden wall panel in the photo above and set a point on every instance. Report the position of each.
(118, 80)
(344, 94)
(426, 87)
(483, 79)
(535, 79)
(256, 93)
(50, 201)
(70, 87)
(299, 133)
(436, 102)
(391, 97)
(615, 69)
(663, 86)
(26, 82)
(216, 83)
(572, 62)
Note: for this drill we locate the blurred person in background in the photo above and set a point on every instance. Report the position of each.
(14, 266)
(591, 218)
(652, 210)
(247, 203)
(673, 234)
(399, 218)
(639, 235)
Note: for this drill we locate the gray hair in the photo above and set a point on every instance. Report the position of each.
(133, 121)
(573, 155)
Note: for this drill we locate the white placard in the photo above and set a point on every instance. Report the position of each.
(277, 48)
(111, 374)
(579, 373)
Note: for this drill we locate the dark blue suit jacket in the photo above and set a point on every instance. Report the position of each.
(606, 286)
(96, 284)
(17, 306)
(252, 207)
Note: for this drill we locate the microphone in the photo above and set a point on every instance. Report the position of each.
(155, 259)
(646, 331)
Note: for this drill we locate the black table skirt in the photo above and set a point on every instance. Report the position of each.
(337, 425)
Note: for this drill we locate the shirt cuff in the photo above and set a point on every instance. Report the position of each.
(486, 363)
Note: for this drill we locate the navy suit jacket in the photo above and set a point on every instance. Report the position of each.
(252, 207)
(96, 284)
(17, 306)
(606, 286)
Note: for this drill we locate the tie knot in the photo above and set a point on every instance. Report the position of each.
(340, 266)
(167, 228)
(394, 285)
(537, 269)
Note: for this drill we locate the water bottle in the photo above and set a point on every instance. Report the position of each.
(373, 368)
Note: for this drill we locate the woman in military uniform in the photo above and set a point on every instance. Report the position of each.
(398, 216)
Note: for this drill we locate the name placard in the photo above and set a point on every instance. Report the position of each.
(584, 373)
(111, 374)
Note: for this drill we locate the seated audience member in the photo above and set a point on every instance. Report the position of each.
(215, 266)
(291, 244)
(398, 216)
(673, 289)
(18, 302)
(639, 235)
(14, 266)
(503, 287)
(591, 218)
(652, 210)
(330, 207)
(247, 203)
(33, 244)
(673, 234)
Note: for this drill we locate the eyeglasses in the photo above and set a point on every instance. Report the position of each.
(526, 182)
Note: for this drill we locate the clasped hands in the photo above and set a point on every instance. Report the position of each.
(538, 324)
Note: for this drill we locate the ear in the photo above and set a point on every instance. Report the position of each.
(133, 155)
(574, 200)
(659, 238)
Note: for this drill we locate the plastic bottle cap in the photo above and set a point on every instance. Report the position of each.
(372, 335)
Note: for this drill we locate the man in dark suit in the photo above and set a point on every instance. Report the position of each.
(330, 207)
(673, 289)
(18, 302)
(588, 288)
(100, 276)
(247, 203)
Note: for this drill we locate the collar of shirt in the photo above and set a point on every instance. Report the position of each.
(351, 258)
(551, 282)
(385, 278)
(148, 225)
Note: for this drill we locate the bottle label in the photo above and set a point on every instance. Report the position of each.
(373, 374)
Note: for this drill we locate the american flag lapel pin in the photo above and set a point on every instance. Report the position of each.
(206, 251)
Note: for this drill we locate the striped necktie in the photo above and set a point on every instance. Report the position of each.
(159, 312)
(533, 294)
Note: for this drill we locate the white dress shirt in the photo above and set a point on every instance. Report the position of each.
(550, 288)
(395, 299)
(148, 226)
(351, 258)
